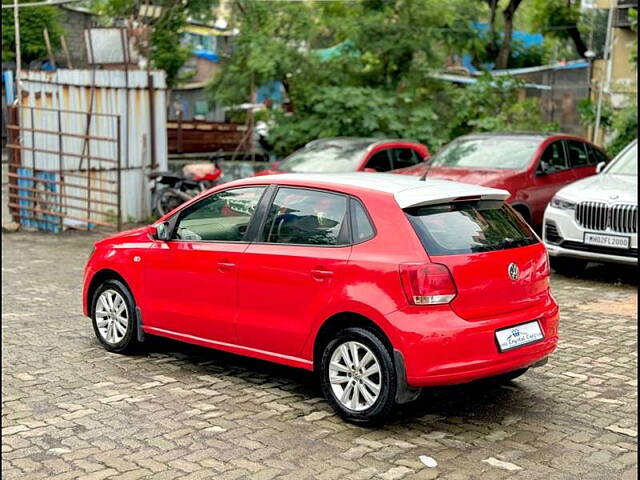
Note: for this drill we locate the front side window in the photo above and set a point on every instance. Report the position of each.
(404, 158)
(306, 217)
(380, 161)
(577, 154)
(469, 227)
(553, 159)
(222, 217)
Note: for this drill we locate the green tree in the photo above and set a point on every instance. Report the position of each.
(33, 21)
(560, 19)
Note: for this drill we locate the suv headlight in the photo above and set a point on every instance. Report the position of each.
(562, 204)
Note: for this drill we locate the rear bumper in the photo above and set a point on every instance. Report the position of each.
(443, 349)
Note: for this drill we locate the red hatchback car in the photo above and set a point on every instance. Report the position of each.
(352, 154)
(531, 167)
(381, 283)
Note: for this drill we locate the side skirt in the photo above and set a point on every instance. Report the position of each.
(233, 348)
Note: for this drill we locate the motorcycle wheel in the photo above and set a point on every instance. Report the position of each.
(166, 201)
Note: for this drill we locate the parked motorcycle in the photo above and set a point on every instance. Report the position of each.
(169, 189)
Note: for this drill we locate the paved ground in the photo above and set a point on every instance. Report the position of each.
(72, 410)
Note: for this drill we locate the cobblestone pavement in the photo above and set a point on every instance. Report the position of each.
(72, 410)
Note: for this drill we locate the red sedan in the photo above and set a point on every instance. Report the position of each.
(531, 167)
(381, 283)
(350, 154)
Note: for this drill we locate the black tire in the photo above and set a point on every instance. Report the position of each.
(166, 200)
(383, 405)
(570, 267)
(129, 342)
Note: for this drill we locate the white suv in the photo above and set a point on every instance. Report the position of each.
(596, 219)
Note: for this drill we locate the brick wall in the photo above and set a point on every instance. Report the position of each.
(74, 22)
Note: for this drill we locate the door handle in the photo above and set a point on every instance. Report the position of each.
(225, 266)
(321, 274)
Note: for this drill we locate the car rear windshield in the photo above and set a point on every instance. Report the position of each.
(469, 227)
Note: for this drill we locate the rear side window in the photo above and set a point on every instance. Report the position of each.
(577, 154)
(469, 227)
(306, 217)
(362, 228)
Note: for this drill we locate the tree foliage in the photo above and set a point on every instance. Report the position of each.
(33, 21)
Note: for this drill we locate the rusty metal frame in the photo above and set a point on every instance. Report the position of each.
(26, 202)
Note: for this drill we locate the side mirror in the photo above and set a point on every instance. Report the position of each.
(600, 166)
(161, 232)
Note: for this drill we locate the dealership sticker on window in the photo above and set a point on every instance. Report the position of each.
(513, 337)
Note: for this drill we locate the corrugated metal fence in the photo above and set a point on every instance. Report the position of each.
(105, 129)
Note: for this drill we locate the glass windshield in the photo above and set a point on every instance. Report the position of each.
(488, 152)
(626, 163)
(469, 227)
(326, 157)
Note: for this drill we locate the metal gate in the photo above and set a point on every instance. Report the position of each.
(61, 175)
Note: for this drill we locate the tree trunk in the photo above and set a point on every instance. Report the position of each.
(493, 45)
(574, 33)
(508, 13)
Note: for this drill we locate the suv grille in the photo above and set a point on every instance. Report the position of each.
(600, 216)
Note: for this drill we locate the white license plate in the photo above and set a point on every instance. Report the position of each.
(613, 241)
(518, 335)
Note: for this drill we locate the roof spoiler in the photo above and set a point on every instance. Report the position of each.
(418, 197)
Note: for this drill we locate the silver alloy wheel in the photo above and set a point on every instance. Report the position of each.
(112, 316)
(355, 376)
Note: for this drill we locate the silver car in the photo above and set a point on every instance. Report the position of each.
(596, 218)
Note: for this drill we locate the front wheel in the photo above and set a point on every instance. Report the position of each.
(114, 317)
(358, 376)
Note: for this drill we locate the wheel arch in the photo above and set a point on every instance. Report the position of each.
(98, 279)
(340, 321)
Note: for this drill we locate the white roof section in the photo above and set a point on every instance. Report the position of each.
(408, 190)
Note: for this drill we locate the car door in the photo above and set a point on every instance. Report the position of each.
(580, 161)
(190, 282)
(551, 174)
(289, 274)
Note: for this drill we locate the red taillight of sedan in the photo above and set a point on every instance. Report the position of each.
(427, 284)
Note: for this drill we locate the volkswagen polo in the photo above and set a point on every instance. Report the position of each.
(381, 283)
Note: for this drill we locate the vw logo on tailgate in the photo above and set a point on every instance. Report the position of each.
(514, 271)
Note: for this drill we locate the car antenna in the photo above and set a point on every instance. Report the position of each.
(423, 178)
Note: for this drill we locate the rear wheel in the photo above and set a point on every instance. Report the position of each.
(114, 317)
(570, 267)
(358, 376)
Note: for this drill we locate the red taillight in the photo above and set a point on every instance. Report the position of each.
(427, 283)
